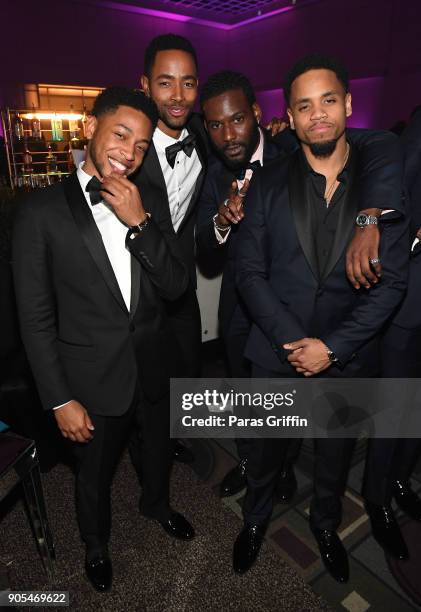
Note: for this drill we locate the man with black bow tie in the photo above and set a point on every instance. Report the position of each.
(92, 265)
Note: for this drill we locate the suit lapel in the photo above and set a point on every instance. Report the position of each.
(301, 213)
(91, 235)
(152, 168)
(135, 269)
(346, 219)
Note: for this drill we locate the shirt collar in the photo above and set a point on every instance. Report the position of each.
(258, 154)
(84, 179)
(162, 140)
(342, 176)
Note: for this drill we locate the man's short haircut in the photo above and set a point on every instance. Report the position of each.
(315, 62)
(227, 80)
(111, 98)
(166, 42)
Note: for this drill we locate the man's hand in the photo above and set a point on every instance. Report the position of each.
(74, 422)
(277, 125)
(231, 211)
(124, 198)
(308, 356)
(362, 250)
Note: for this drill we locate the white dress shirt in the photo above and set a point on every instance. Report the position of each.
(180, 180)
(257, 156)
(113, 233)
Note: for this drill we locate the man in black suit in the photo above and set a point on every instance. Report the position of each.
(92, 266)
(232, 118)
(401, 343)
(307, 317)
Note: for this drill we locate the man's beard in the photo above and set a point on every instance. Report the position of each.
(325, 148)
(172, 123)
(249, 149)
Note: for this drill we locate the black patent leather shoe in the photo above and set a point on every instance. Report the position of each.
(181, 453)
(178, 527)
(407, 500)
(100, 573)
(333, 554)
(286, 485)
(235, 480)
(386, 531)
(247, 547)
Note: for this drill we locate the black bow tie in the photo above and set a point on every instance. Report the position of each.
(187, 145)
(93, 187)
(241, 172)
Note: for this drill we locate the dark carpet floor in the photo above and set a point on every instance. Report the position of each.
(151, 571)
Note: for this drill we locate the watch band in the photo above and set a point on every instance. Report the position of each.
(137, 229)
(363, 220)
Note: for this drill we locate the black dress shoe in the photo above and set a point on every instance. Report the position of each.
(286, 485)
(235, 480)
(333, 554)
(178, 527)
(407, 500)
(100, 573)
(386, 531)
(181, 453)
(247, 547)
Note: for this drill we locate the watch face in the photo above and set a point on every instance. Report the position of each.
(362, 219)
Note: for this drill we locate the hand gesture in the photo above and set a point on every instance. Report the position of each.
(308, 356)
(124, 198)
(277, 125)
(231, 210)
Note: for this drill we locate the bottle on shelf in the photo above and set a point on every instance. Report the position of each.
(51, 161)
(84, 121)
(35, 125)
(56, 128)
(73, 126)
(27, 160)
(19, 128)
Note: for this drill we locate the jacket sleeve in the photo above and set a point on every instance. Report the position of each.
(157, 250)
(36, 303)
(381, 156)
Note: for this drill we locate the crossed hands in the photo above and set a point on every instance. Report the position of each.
(308, 356)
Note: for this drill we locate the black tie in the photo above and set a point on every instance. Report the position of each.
(241, 172)
(93, 187)
(187, 145)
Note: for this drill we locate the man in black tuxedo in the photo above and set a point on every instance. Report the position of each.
(92, 266)
(401, 343)
(307, 318)
(232, 118)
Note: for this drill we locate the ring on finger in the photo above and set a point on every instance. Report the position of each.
(374, 261)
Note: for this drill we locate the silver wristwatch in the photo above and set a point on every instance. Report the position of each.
(363, 220)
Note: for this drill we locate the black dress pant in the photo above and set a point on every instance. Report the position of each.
(96, 462)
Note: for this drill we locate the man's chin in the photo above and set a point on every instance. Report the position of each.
(323, 148)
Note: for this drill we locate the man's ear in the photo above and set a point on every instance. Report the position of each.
(348, 104)
(291, 120)
(91, 126)
(144, 83)
(257, 112)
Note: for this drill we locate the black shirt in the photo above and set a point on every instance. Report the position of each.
(324, 219)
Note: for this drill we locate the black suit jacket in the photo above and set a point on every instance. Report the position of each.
(150, 175)
(278, 279)
(81, 341)
(380, 159)
(409, 315)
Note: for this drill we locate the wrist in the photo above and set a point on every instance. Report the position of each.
(220, 223)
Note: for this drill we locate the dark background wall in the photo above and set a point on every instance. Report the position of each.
(78, 42)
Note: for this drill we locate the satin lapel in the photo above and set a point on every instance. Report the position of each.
(346, 220)
(301, 213)
(91, 235)
(152, 168)
(135, 269)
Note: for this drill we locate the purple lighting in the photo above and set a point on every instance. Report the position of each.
(194, 20)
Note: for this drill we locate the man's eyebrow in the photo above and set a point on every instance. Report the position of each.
(125, 127)
(324, 95)
(186, 77)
